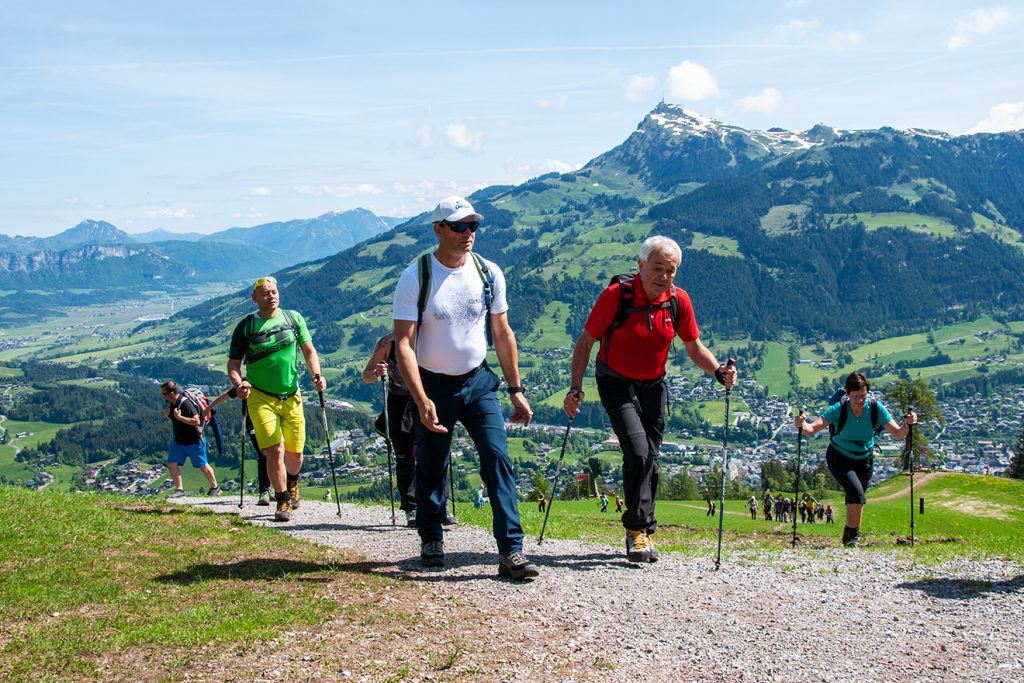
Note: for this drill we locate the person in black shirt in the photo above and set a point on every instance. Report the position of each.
(187, 440)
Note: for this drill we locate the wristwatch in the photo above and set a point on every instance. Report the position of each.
(516, 390)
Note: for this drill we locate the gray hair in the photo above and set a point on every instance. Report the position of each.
(665, 245)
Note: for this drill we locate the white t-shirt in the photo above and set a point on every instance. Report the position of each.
(452, 339)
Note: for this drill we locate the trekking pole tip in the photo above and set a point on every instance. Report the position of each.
(730, 362)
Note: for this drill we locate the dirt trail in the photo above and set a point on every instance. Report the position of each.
(919, 480)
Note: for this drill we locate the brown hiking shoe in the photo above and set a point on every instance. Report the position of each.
(284, 511)
(637, 547)
(293, 491)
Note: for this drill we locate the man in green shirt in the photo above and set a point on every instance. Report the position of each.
(268, 341)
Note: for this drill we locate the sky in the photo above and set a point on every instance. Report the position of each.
(200, 116)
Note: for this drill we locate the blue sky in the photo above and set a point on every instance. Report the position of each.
(199, 116)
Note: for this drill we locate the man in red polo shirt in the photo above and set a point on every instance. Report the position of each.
(630, 371)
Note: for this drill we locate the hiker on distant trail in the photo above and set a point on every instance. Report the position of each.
(829, 514)
(479, 499)
(779, 516)
(768, 503)
(618, 503)
(849, 454)
(542, 503)
(604, 503)
(448, 307)
(268, 341)
(811, 502)
(637, 318)
(711, 508)
(752, 504)
(819, 511)
(803, 512)
(187, 439)
(263, 478)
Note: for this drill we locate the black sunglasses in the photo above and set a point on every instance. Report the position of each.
(463, 226)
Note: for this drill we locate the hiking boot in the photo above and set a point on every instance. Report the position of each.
(214, 491)
(450, 520)
(293, 491)
(516, 566)
(655, 555)
(284, 511)
(855, 539)
(432, 553)
(637, 546)
(264, 498)
(178, 493)
(410, 518)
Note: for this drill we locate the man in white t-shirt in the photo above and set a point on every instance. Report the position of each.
(441, 355)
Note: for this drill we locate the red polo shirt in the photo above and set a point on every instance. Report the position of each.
(636, 351)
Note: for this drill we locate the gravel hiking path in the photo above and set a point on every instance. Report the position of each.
(804, 615)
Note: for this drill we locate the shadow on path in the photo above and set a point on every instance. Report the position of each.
(964, 589)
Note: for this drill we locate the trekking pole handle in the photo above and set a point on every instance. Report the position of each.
(730, 362)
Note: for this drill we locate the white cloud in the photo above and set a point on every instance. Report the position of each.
(259, 192)
(425, 137)
(980, 22)
(168, 212)
(338, 191)
(559, 166)
(812, 32)
(1001, 118)
(561, 103)
(639, 87)
(764, 102)
(462, 138)
(72, 200)
(689, 82)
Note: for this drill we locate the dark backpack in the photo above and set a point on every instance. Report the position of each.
(282, 336)
(485, 276)
(843, 400)
(626, 308)
(198, 399)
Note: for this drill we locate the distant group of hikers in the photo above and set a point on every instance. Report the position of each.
(779, 509)
(449, 307)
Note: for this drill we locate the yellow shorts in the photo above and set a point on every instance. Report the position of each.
(276, 420)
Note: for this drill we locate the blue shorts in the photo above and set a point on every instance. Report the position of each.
(196, 452)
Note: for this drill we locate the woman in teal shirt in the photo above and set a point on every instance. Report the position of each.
(849, 455)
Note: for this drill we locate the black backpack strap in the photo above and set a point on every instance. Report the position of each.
(488, 280)
(874, 415)
(626, 297)
(421, 299)
(844, 407)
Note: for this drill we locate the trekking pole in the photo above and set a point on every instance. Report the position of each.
(451, 481)
(796, 492)
(554, 483)
(330, 454)
(241, 462)
(725, 469)
(909, 449)
(387, 439)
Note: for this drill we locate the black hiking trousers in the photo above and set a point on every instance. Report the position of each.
(854, 475)
(636, 410)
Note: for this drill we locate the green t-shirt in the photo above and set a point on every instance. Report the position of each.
(275, 347)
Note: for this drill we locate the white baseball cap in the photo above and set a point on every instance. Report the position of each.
(454, 209)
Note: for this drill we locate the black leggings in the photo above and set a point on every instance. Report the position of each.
(853, 475)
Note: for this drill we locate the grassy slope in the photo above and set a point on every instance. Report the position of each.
(965, 515)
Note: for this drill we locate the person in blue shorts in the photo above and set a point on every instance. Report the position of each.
(850, 450)
(187, 439)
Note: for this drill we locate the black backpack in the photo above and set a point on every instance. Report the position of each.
(843, 400)
(283, 336)
(626, 308)
(485, 276)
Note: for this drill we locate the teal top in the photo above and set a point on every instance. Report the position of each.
(858, 436)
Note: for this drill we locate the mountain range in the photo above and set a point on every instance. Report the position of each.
(98, 255)
(823, 233)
